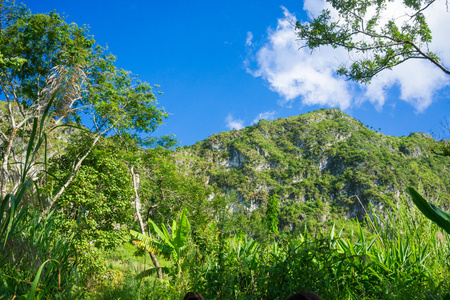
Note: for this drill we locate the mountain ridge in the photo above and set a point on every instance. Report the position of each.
(317, 161)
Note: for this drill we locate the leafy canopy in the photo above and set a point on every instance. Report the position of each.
(43, 58)
(377, 40)
(41, 55)
(98, 202)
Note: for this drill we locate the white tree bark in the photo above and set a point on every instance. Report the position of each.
(137, 205)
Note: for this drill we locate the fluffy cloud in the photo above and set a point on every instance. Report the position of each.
(268, 115)
(234, 124)
(294, 72)
(297, 73)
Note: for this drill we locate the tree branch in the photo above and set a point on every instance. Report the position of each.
(434, 61)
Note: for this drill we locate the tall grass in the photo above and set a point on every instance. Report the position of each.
(398, 255)
(35, 260)
(408, 259)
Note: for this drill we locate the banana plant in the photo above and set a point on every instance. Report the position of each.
(441, 218)
(171, 245)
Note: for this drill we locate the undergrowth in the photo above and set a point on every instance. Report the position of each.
(399, 255)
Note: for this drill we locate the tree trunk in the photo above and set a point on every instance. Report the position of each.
(4, 175)
(137, 205)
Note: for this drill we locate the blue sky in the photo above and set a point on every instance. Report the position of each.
(225, 64)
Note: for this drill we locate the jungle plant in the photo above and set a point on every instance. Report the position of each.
(441, 218)
(351, 263)
(170, 245)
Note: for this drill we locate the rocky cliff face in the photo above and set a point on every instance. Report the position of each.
(316, 162)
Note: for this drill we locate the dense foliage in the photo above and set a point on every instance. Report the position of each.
(316, 162)
(259, 213)
(387, 260)
(98, 200)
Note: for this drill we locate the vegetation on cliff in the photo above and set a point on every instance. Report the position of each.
(258, 213)
(316, 162)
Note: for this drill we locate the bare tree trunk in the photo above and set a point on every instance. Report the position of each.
(4, 175)
(137, 200)
(7, 153)
(137, 205)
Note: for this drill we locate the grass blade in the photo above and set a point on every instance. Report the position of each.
(36, 279)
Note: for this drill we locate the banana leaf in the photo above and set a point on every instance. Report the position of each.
(441, 218)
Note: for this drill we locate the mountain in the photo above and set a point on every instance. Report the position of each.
(316, 162)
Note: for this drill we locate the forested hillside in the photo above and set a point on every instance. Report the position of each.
(316, 162)
(94, 207)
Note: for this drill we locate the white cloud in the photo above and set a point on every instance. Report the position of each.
(268, 115)
(294, 72)
(248, 40)
(297, 73)
(234, 124)
(417, 81)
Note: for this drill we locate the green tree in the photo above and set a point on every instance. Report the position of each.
(126, 146)
(45, 60)
(170, 182)
(362, 27)
(98, 203)
(42, 58)
(116, 101)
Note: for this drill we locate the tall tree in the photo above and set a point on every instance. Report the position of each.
(379, 41)
(99, 201)
(131, 154)
(42, 58)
